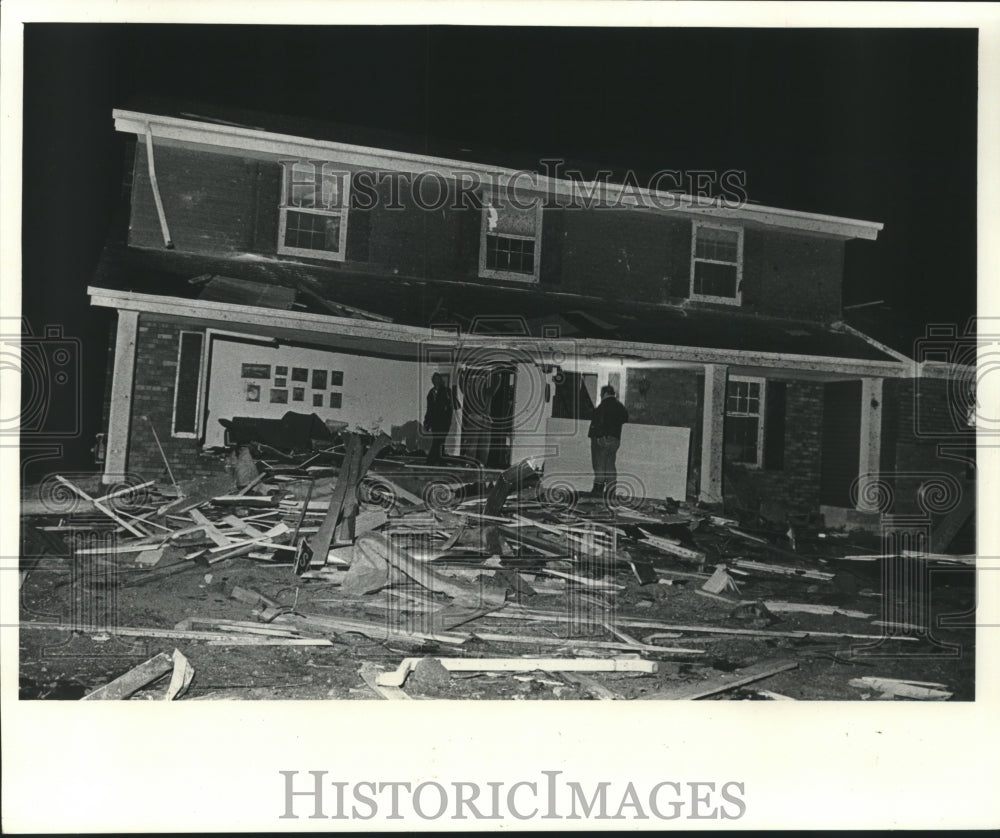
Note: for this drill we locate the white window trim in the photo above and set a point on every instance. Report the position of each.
(492, 273)
(345, 176)
(710, 298)
(199, 401)
(760, 415)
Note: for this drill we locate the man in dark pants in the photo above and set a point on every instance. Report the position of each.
(605, 437)
(437, 420)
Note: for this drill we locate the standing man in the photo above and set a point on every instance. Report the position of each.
(437, 420)
(605, 437)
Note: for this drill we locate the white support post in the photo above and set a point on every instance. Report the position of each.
(120, 417)
(871, 439)
(712, 440)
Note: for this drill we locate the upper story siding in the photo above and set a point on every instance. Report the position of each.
(227, 204)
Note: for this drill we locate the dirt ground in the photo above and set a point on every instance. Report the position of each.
(62, 664)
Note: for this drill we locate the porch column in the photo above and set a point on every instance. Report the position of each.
(120, 417)
(871, 438)
(713, 418)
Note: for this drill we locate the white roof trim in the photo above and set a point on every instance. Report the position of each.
(592, 347)
(267, 144)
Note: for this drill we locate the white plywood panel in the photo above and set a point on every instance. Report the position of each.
(652, 458)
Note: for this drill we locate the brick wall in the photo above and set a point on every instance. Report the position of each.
(794, 486)
(925, 434)
(153, 397)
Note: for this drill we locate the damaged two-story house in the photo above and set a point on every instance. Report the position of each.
(271, 268)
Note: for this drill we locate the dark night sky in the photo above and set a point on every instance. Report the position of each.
(871, 124)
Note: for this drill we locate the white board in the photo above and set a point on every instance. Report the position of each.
(652, 460)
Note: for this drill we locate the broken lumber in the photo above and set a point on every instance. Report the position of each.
(801, 572)
(97, 505)
(513, 477)
(312, 623)
(140, 631)
(668, 545)
(133, 680)
(599, 691)
(723, 682)
(398, 677)
(893, 687)
(580, 643)
(210, 529)
(810, 608)
(370, 674)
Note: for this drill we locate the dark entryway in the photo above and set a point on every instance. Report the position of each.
(487, 395)
(841, 442)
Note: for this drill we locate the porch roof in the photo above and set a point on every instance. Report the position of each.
(473, 309)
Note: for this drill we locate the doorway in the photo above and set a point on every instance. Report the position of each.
(487, 394)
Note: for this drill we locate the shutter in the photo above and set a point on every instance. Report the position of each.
(359, 227)
(774, 425)
(187, 385)
(551, 249)
(469, 229)
(267, 195)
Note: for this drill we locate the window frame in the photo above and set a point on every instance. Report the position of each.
(516, 276)
(761, 416)
(326, 167)
(736, 300)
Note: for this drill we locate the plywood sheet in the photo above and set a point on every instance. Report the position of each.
(652, 459)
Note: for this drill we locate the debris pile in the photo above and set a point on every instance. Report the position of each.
(460, 582)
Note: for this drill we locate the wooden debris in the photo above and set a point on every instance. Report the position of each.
(720, 581)
(812, 608)
(669, 545)
(581, 643)
(721, 683)
(398, 677)
(103, 509)
(895, 688)
(180, 678)
(599, 691)
(801, 572)
(133, 680)
(370, 674)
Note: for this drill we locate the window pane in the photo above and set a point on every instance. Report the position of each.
(741, 439)
(713, 243)
(507, 254)
(714, 280)
(310, 231)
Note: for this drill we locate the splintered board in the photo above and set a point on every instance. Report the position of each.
(651, 458)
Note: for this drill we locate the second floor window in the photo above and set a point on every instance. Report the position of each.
(313, 210)
(510, 242)
(717, 264)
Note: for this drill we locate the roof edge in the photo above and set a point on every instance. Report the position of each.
(265, 143)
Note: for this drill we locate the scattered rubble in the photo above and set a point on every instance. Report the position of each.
(367, 567)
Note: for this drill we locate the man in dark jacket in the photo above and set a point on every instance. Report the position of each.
(605, 437)
(437, 420)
